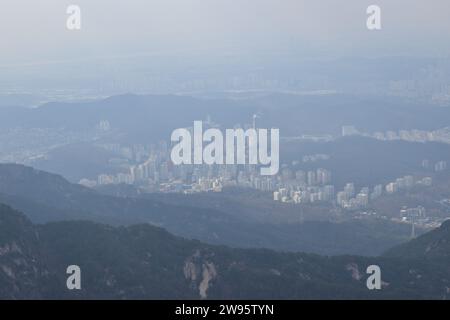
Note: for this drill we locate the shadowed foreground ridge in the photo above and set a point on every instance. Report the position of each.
(146, 262)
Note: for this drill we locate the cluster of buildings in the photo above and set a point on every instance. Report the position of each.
(417, 217)
(437, 167)
(349, 199)
(304, 186)
(412, 214)
(151, 170)
(158, 174)
(414, 135)
(135, 164)
(304, 194)
(430, 84)
(407, 182)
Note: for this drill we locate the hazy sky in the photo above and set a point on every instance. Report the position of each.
(35, 31)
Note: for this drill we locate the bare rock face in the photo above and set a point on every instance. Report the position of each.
(354, 270)
(209, 274)
(200, 272)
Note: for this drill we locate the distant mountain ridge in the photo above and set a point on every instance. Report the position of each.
(160, 114)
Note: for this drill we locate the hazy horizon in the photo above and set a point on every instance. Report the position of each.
(36, 33)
